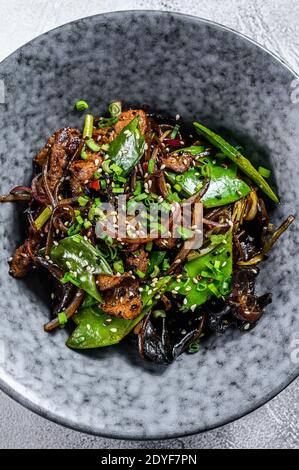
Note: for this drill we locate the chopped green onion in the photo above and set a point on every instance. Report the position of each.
(103, 184)
(149, 246)
(217, 264)
(165, 265)
(138, 188)
(83, 200)
(81, 105)
(105, 147)
(140, 274)
(43, 217)
(74, 229)
(79, 219)
(264, 171)
(156, 272)
(97, 175)
(62, 318)
(119, 266)
(115, 109)
(106, 167)
(88, 126)
(159, 314)
(116, 169)
(151, 165)
(175, 130)
(87, 224)
(93, 146)
(178, 187)
(83, 154)
(141, 197)
(118, 190)
(194, 347)
(121, 179)
(107, 122)
(185, 233)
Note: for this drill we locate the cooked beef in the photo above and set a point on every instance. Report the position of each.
(124, 300)
(21, 262)
(177, 163)
(82, 171)
(109, 282)
(60, 147)
(127, 116)
(137, 260)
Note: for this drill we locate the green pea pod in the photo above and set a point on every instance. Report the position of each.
(94, 331)
(225, 187)
(242, 162)
(128, 147)
(81, 260)
(214, 271)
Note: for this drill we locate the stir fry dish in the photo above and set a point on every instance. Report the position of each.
(147, 230)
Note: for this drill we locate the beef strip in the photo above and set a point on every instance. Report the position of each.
(123, 300)
(176, 162)
(127, 116)
(137, 260)
(20, 263)
(61, 146)
(109, 282)
(82, 171)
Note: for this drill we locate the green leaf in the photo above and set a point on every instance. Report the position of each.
(128, 147)
(197, 293)
(82, 260)
(242, 162)
(193, 149)
(225, 187)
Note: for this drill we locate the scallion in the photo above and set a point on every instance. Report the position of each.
(115, 109)
(151, 165)
(43, 217)
(83, 200)
(118, 190)
(93, 146)
(174, 132)
(81, 105)
(62, 318)
(88, 126)
(119, 266)
(140, 274)
(264, 171)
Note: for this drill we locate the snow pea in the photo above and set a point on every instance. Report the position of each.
(234, 155)
(128, 147)
(225, 187)
(81, 261)
(206, 275)
(97, 329)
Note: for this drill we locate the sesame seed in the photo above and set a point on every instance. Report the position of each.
(162, 166)
(113, 330)
(177, 117)
(185, 301)
(193, 307)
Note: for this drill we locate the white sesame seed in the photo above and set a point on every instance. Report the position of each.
(162, 166)
(113, 330)
(177, 117)
(185, 301)
(193, 307)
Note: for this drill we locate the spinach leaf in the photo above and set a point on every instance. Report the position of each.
(128, 147)
(81, 260)
(225, 187)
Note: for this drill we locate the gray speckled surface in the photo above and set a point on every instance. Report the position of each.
(276, 427)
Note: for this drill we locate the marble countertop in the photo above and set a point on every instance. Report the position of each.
(273, 24)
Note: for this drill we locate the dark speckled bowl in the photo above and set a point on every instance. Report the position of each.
(174, 64)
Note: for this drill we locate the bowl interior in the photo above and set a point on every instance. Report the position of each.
(173, 64)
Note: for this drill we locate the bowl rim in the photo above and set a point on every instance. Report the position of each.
(56, 418)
